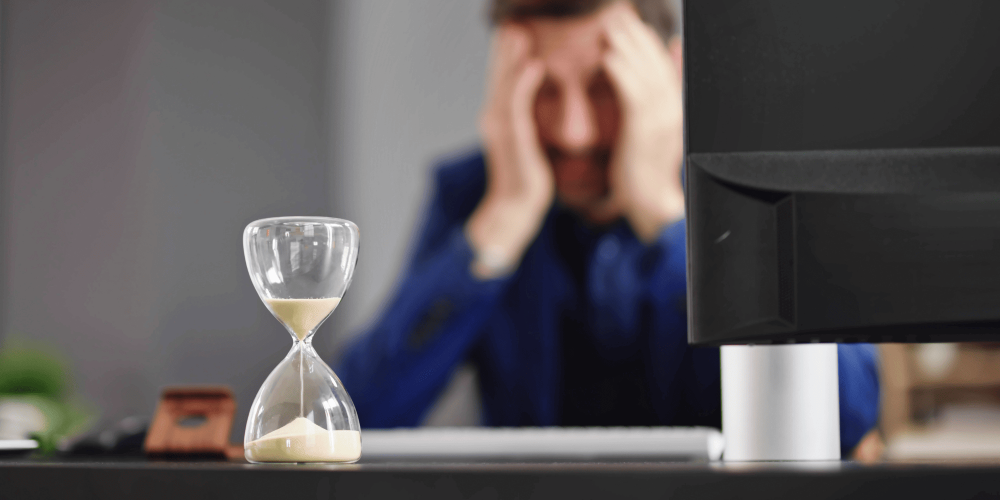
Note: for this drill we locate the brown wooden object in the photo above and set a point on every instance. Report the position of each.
(907, 391)
(192, 421)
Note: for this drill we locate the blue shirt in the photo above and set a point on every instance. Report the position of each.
(591, 329)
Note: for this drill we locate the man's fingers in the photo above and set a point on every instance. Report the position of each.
(646, 39)
(515, 44)
(637, 61)
(516, 40)
(509, 49)
(498, 56)
(522, 102)
(644, 49)
(622, 75)
(622, 41)
(526, 84)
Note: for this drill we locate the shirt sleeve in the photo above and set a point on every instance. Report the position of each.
(859, 393)
(395, 369)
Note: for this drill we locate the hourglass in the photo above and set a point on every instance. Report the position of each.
(301, 267)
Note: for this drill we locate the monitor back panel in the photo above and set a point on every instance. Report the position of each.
(843, 170)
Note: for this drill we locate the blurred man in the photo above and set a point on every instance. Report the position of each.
(554, 260)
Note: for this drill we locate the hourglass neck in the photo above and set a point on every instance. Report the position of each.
(307, 342)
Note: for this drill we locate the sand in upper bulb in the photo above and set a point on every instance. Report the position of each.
(302, 315)
(301, 440)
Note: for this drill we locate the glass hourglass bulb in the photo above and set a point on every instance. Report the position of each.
(301, 267)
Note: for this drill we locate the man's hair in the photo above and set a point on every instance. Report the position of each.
(659, 14)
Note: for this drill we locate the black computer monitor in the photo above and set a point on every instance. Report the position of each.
(843, 170)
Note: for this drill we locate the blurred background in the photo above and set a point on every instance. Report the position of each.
(139, 137)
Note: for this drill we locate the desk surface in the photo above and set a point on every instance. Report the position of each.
(34, 478)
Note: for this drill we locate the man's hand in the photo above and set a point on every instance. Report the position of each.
(645, 169)
(869, 450)
(520, 186)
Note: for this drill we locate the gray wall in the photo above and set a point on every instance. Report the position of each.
(139, 138)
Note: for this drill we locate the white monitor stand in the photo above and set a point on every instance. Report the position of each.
(780, 402)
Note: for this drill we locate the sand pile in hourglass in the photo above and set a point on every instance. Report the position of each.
(303, 441)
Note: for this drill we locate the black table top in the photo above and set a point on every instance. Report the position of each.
(96, 478)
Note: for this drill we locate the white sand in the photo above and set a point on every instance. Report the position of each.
(303, 441)
(302, 315)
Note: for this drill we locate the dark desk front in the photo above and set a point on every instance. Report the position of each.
(30, 478)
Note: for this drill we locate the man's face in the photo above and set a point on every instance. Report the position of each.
(576, 110)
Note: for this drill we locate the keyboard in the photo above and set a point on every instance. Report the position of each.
(545, 443)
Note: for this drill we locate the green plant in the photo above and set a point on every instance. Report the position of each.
(35, 374)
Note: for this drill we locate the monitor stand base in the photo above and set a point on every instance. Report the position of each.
(780, 402)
